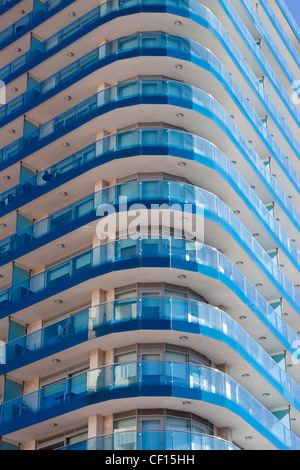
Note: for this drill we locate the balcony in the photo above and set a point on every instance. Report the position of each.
(178, 196)
(153, 440)
(147, 253)
(145, 379)
(30, 21)
(140, 314)
(161, 92)
(132, 143)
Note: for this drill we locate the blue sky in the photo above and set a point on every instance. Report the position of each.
(294, 7)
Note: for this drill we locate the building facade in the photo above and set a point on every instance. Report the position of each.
(149, 231)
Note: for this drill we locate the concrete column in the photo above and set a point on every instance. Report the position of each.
(97, 359)
(98, 297)
(31, 445)
(37, 325)
(223, 368)
(109, 357)
(31, 386)
(225, 433)
(108, 424)
(95, 426)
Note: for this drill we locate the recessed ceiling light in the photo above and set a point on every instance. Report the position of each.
(53, 425)
(256, 235)
(258, 284)
(186, 402)
(55, 361)
(66, 144)
(58, 301)
(70, 54)
(236, 212)
(6, 177)
(60, 245)
(289, 365)
(242, 317)
(297, 285)
(12, 131)
(72, 13)
(248, 438)
(239, 263)
(232, 116)
(250, 141)
(179, 115)
(178, 66)
(233, 162)
(183, 338)
(21, 12)
(182, 276)
(3, 225)
(252, 187)
(14, 89)
(68, 98)
(285, 314)
(281, 265)
(63, 193)
(178, 23)
(266, 394)
(262, 338)
(181, 164)
(245, 376)
(18, 49)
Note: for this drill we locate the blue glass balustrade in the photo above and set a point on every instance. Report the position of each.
(280, 30)
(164, 313)
(7, 4)
(289, 17)
(137, 379)
(155, 44)
(266, 36)
(203, 16)
(137, 142)
(199, 201)
(31, 20)
(264, 64)
(162, 92)
(153, 440)
(151, 253)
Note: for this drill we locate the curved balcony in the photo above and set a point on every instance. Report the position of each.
(162, 92)
(178, 196)
(266, 68)
(289, 17)
(281, 31)
(146, 379)
(31, 20)
(266, 36)
(153, 440)
(141, 142)
(143, 44)
(199, 14)
(7, 4)
(140, 314)
(147, 253)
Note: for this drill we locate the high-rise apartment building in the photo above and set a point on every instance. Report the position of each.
(149, 230)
